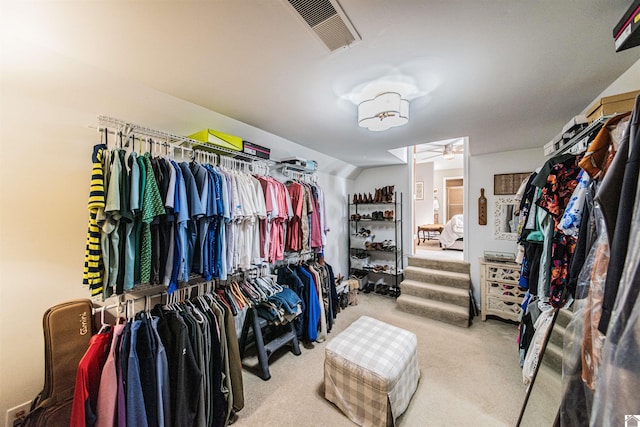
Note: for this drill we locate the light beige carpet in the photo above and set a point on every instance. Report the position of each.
(468, 376)
(431, 249)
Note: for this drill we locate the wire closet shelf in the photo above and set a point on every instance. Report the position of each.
(178, 143)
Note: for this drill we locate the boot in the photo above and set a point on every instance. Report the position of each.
(384, 196)
(359, 198)
(376, 199)
(355, 198)
(390, 194)
(370, 199)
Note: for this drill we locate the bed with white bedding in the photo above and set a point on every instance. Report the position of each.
(453, 233)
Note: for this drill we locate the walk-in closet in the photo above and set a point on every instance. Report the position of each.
(312, 213)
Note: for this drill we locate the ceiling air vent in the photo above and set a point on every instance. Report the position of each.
(328, 21)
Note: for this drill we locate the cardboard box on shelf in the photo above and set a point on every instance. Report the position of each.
(620, 103)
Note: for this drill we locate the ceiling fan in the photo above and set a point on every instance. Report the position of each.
(447, 149)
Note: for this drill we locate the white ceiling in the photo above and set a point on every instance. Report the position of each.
(506, 73)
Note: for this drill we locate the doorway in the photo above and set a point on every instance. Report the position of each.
(454, 197)
(439, 194)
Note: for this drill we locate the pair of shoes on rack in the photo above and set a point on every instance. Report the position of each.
(384, 195)
(362, 198)
(388, 215)
(363, 232)
(382, 290)
(394, 291)
(386, 246)
(373, 246)
(370, 286)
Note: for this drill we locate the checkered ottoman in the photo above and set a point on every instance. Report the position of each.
(371, 371)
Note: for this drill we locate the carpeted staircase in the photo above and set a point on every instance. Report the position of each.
(436, 289)
(553, 351)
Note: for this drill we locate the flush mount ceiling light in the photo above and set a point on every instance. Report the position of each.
(384, 111)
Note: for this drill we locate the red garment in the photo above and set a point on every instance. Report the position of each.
(316, 232)
(85, 397)
(276, 249)
(294, 232)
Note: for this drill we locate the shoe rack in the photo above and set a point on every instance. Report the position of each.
(375, 240)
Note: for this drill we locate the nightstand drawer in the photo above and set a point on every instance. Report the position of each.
(508, 275)
(505, 309)
(497, 289)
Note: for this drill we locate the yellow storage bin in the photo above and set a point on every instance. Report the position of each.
(212, 139)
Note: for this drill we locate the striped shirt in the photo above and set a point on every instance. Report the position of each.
(93, 269)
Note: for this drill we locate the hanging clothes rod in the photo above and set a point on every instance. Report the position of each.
(171, 138)
(295, 257)
(202, 156)
(128, 137)
(309, 177)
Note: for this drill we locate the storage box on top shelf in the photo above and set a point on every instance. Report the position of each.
(553, 145)
(301, 164)
(295, 161)
(256, 150)
(211, 139)
(549, 148)
(627, 32)
(573, 127)
(578, 121)
(620, 103)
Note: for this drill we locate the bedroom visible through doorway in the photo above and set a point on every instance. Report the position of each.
(438, 202)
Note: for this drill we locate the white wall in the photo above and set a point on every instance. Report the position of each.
(628, 81)
(424, 208)
(48, 103)
(479, 238)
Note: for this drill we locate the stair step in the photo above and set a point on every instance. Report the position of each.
(564, 317)
(557, 335)
(431, 291)
(440, 264)
(435, 310)
(552, 357)
(444, 278)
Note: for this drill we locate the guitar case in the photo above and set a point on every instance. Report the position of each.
(67, 327)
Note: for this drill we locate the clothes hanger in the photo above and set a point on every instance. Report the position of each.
(147, 306)
(129, 311)
(104, 327)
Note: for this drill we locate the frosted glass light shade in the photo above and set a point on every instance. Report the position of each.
(385, 111)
